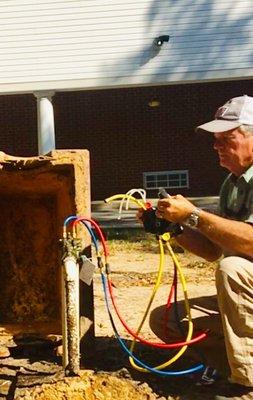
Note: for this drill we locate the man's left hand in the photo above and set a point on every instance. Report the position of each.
(175, 208)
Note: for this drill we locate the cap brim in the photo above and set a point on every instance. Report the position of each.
(218, 125)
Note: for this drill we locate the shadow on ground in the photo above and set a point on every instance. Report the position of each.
(110, 357)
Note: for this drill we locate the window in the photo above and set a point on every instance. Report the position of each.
(166, 179)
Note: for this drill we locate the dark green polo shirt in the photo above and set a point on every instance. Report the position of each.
(236, 197)
(236, 200)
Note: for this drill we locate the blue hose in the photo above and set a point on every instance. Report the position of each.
(93, 236)
(199, 367)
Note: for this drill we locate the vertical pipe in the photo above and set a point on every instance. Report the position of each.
(71, 335)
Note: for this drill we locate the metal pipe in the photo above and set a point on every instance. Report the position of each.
(71, 315)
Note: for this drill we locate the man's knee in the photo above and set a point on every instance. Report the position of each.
(225, 267)
(232, 268)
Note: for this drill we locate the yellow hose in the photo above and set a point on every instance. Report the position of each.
(126, 196)
(165, 237)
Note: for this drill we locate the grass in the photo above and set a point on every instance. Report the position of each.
(136, 241)
(129, 234)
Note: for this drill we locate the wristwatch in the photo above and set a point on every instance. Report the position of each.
(193, 220)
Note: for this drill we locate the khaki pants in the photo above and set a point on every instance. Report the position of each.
(234, 282)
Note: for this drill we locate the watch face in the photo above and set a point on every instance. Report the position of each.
(192, 221)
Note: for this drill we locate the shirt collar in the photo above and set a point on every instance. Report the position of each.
(247, 175)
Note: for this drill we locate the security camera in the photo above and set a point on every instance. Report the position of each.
(161, 39)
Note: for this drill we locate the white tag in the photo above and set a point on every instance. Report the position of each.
(87, 271)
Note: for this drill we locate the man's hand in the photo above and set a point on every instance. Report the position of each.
(175, 208)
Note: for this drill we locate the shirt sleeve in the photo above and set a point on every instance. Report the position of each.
(249, 219)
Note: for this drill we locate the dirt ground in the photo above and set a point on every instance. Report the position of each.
(109, 374)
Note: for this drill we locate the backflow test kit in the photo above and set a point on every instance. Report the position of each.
(46, 270)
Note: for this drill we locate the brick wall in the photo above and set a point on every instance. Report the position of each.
(125, 136)
(18, 126)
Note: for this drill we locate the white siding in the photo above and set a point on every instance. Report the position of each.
(78, 44)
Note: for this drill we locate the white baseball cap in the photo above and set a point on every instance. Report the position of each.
(235, 112)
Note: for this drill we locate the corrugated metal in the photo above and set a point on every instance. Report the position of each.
(75, 44)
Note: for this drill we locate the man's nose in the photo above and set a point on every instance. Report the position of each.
(217, 144)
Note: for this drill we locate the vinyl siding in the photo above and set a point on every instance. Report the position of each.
(84, 44)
